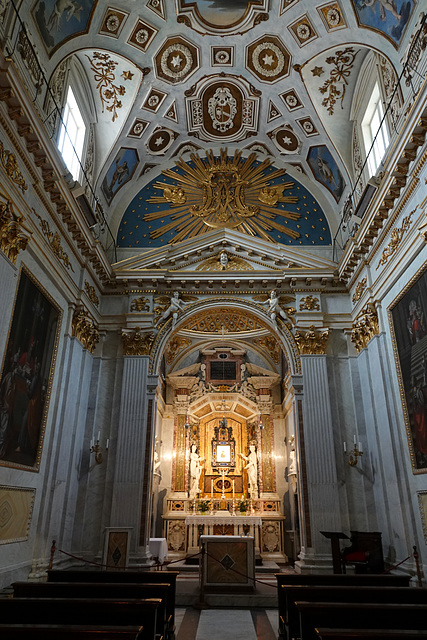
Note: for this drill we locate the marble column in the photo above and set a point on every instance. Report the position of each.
(132, 490)
(320, 504)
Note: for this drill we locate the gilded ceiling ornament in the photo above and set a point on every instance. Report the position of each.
(136, 343)
(317, 71)
(85, 330)
(268, 59)
(222, 193)
(342, 62)
(14, 237)
(127, 75)
(175, 346)
(275, 308)
(10, 165)
(176, 61)
(395, 239)
(140, 304)
(90, 290)
(271, 345)
(103, 67)
(222, 108)
(54, 239)
(312, 342)
(213, 321)
(360, 288)
(365, 327)
(224, 262)
(309, 304)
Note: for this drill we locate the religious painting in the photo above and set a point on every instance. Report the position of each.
(409, 330)
(27, 375)
(223, 12)
(422, 501)
(389, 17)
(325, 170)
(16, 507)
(61, 20)
(120, 172)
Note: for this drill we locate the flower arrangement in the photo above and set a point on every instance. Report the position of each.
(243, 505)
(204, 505)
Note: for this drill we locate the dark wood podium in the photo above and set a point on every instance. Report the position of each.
(335, 537)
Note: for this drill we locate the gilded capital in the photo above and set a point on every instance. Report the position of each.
(136, 343)
(309, 303)
(14, 237)
(365, 327)
(85, 330)
(312, 342)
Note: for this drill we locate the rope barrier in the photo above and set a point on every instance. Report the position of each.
(111, 566)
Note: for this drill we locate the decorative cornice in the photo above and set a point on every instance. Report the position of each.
(85, 329)
(312, 342)
(396, 238)
(14, 237)
(54, 239)
(309, 304)
(365, 327)
(10, 165)
(136, 343)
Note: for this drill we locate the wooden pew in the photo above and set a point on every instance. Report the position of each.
(365, 615)
(357, 594)
(118, 591)
(330, 579)
(83, 612)
(82, 575)
(69, 632)
(370, 634)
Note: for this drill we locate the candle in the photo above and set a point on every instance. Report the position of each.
(360, 447)
(354, 439)
(108, 443)
(345, 447)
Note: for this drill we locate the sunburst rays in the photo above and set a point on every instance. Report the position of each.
(223, 192)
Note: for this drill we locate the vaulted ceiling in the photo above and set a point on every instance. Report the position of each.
(270, 81)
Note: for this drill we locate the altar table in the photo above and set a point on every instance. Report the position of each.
(228, 563)
(217, 524)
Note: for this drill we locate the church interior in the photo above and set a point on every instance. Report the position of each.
(213, 301)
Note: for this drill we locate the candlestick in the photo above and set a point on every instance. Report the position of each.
(211, 488)
(233, 488)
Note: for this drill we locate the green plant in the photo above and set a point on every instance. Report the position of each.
(243, 505)
(204, 505)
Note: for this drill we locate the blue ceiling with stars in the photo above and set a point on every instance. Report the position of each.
(167, 222)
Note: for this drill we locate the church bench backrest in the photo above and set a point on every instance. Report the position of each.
(119, 591)
(365, 615)
(371, 634)
(69, 632)
(346, 594)
(65, 611)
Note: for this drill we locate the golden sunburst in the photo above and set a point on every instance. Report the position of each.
(223, 192)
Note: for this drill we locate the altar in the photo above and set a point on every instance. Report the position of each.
(218, 524)
(228, 563)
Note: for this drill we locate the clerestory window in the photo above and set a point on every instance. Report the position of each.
(375, 132)
(72, 135)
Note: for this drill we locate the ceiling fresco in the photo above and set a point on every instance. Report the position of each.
(275, 77)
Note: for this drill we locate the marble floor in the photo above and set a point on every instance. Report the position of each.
(226, 624)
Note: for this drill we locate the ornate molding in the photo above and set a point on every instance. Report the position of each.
(365, 327)
(54, 239)
(272, 346)
(85, 329)
(309, 304)
(91, 293)
(360, 288)
(103, 68)
(227, 263)
(10, 165)
(214, 321)
(136, 343)
(312, 342)
(140, 304)
(14, 237)
(396, 238)
(175, 346)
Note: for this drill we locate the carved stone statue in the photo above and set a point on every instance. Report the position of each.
(196, 469)
(274, 308)
(252, 469)
(175, 306)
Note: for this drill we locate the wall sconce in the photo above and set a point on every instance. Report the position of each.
(354, 453)
(96, 448)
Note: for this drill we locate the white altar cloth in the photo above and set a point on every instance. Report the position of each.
(158, 548)
(217, 518)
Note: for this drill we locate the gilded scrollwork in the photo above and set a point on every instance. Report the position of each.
(395, 239)
(137, 343)
(271, 345)
(365, 327)
(104, 67)
(90, 290)
(175, 346)
(334, 87)
(54, 239)
(140, 304)
(14, 237)
(309, 303)
(312, 342)
(360, 288)
(213, 321)
(224, 262)
(10, 165)
(85, 329)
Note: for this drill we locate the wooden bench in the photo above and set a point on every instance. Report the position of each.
(82, 575)
(69, 632)
(83, 612)
(352, 594)
(370, 634)
(331, 579)
(365, 615)
(118, 591)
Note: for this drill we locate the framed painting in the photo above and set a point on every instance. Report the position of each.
(16, 508)
(120, 172)
(389, 18)
(325, 170)
(61, 20)
(27, 374)
(408, 318)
